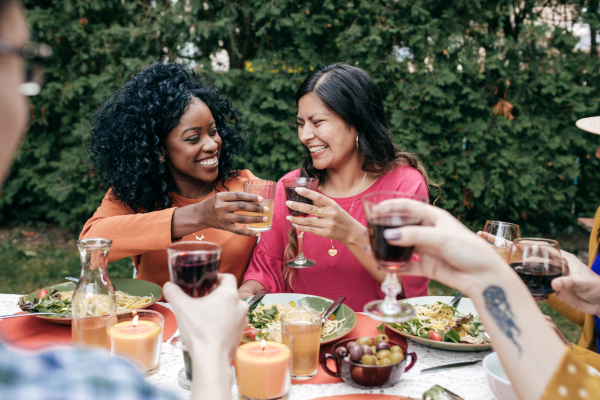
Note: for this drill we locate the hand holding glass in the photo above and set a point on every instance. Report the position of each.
(266, 189)
(501, 235)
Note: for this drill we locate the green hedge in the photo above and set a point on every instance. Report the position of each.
(495, 162)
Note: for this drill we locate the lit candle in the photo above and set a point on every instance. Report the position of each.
(263, 369)
(138, 340)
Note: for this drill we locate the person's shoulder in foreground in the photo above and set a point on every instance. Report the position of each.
(66, 374)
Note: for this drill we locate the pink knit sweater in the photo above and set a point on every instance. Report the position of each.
(341, 275)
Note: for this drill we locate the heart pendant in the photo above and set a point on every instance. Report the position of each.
(332, 252)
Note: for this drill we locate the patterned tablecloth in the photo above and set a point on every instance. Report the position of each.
(468, 382)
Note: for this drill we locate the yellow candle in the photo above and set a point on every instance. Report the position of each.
(139, 342)
(263, 372)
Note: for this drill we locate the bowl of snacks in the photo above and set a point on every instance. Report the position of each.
(369, 363)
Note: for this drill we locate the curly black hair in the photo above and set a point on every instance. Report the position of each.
(129, 128)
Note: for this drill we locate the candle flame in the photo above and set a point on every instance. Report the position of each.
(135, 321)
(263, 344)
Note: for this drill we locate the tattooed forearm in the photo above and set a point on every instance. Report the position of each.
(497, 306)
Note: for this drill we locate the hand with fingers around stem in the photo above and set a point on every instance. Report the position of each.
(219, 212)
(332, 221)
(580, 288)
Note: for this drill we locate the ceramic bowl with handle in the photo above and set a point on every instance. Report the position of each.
(367, 376)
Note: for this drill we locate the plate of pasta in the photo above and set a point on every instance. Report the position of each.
(266, 314)
(438, 325)
(130, 294)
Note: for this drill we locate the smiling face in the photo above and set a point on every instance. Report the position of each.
(331, 141)
(192, 149)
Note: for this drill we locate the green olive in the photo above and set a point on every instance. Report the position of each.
(385, 361)
(396, 357)
(396, 349)
(381, 338)
(365, 340)
(368, 360)
(383, 354)
(374, 349)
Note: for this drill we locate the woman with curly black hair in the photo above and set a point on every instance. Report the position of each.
(165, 144)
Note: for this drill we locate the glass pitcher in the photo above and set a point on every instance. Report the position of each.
(94, 296)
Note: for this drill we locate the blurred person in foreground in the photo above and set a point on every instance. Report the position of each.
(63, 373)
(536, 360)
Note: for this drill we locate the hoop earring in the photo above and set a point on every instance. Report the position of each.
(161, 159)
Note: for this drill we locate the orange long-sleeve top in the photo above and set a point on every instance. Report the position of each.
(145, 236)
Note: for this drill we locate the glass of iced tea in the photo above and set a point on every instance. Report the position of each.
(305, 327)
(501, 235)
(194, 267)
(537, 262)
(265, 189)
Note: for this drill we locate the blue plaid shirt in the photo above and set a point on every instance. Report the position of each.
(65, 374)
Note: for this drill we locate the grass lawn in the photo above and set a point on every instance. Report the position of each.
(30, 260)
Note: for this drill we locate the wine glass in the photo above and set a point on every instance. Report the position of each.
(537, 262)
(290, 186)
(501, 235)
(390, 258)
(194, 267)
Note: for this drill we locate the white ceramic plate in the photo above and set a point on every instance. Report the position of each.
(465, 306)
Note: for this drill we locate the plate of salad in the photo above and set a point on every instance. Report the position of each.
(438, 325)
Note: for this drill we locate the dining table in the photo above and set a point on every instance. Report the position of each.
(467, 382)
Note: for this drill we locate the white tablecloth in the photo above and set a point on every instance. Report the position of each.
(467, 382)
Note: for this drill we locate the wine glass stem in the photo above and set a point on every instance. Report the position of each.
(300, 246)
(391, 288)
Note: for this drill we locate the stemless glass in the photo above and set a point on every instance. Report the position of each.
(501, 235)
(305, 327)
(537, 262)
(193, 266)
(390, 258)
(290, 186)
(266, 189)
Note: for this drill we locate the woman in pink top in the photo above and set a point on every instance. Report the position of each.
(341, 124)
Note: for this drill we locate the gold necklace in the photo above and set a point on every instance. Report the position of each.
(201, 238)
(332, 251)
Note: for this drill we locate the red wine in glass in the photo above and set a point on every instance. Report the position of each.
(291, 195)
(388, 256)
(195, 276)
(537, 277)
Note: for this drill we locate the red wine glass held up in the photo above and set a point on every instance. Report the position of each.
(537, 262)
(381, 215)
(194, 267)
(290, 186)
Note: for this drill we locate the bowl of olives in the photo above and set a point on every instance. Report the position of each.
(369, 363)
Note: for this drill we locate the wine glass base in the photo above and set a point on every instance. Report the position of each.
(376, 310)
(184, 382)
(306, 263)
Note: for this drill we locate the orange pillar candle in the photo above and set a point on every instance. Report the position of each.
(137, 339)
(263, 369)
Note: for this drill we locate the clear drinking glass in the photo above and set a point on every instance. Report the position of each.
(263, 365)
(389, 258)
(537, 262)
(501, 235)
(266, 189)
(137, 335)
(291, 195)
(94, 296)
(305, 327)
(193, 267)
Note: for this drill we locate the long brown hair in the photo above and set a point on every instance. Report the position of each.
(350, 93)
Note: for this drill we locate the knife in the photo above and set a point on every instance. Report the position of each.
(338, 302)
(257, 297)
(456, 365)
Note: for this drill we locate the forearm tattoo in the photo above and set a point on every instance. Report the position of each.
(497, 306)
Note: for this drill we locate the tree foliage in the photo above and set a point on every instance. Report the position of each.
(486, 91)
